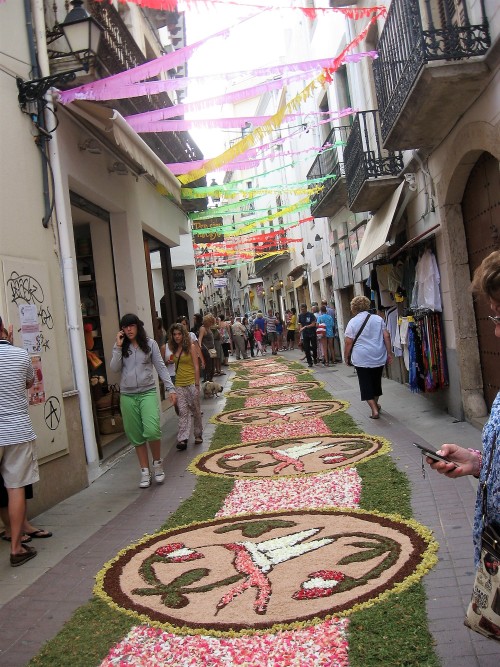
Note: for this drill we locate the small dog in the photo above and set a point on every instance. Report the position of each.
(211, 389)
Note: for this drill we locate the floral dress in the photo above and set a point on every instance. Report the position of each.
(491, 441)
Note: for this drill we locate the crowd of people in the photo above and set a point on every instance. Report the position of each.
(186, 355)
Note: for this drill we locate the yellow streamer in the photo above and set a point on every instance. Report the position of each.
(257, 135)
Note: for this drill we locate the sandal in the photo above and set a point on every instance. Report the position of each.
(24, 538)
(19, 559)
(39, 533)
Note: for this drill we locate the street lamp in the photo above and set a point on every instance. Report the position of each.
(81, 34)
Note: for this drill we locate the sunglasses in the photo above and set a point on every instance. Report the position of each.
(494, 318)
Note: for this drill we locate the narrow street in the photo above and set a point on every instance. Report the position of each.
(92, 526)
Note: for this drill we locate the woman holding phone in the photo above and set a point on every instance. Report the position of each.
(134, 356)
(485, 466)
(187, 384)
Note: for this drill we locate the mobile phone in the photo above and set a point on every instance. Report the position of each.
(432, 454)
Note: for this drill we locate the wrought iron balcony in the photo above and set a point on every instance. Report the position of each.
(372, 173)
(330, 163)
(427, 71)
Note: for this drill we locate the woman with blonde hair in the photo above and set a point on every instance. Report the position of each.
(367, 348)
(187, 385)
(207, 344)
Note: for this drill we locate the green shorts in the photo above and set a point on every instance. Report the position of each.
(141, 416)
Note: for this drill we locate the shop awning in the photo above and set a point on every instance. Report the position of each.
(116, 129)
(378, 228)
(297, 270)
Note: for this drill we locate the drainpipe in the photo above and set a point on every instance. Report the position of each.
(41, 141)
(66, 248)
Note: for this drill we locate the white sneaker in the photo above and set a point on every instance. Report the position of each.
(145, 478)
(159, 472)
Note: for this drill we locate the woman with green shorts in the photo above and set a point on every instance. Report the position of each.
(134, 355)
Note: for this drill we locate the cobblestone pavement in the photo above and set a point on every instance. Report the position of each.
(90, 527)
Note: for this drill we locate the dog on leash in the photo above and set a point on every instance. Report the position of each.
(211, 389)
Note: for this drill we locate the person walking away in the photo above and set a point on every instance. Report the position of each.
(249, 335)
(307, 323)
(239, 333)
(187, 385)
(484, 465)
(367, 348)
(18, 459)
(279, 331)
(258, 337)
(134, 356)
(330, 338)
(326, 322)
(291, 330)
(272, 336)
(206, 340)
(261, 323)
(225, 341)
(218, 347)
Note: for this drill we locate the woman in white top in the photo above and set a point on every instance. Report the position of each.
(368, 352)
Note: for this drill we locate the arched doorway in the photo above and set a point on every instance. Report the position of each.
(481, 215)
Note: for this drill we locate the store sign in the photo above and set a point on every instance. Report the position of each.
(208, 237)
(220, 282)
(179, 280)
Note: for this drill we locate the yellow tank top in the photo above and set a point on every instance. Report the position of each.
(184, 373)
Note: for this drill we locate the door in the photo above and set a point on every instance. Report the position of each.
(481, 214)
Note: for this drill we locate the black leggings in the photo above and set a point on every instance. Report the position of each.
(209, 364)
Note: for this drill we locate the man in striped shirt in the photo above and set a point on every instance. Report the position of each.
(18, 461)
(272, 336)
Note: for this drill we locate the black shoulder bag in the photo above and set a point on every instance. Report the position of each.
(349, 362)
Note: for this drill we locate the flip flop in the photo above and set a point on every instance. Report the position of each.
(19, 559)
(24, 538)
(40, 533)
(374, 416)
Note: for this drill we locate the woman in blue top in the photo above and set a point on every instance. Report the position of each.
(486, 282)
(368, 346)
(327, 321)
(134, 355)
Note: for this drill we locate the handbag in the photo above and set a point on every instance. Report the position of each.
(349, 362)
(483, 613)
(109, 419)
(212, 352)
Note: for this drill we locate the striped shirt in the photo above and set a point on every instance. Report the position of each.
(15, 371)
(271, 323)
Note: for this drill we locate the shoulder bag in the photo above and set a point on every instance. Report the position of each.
(349, 362)
(483, 613)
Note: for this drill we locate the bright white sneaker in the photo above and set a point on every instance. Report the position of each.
(158, 471)
(145, 478)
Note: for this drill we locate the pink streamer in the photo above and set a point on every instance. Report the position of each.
(149, 69)
(227, 98)
(145, 125)
(116, 90)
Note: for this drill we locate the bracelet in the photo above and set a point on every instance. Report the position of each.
(479, 457)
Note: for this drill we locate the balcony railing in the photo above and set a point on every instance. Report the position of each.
(411, 39)
(330, 163)
(366, 160)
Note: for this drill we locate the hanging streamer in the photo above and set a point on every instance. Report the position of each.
(275, 121)
(146, 125)
(150, 69)
(119, 90)
(310, 12)
(228, 189)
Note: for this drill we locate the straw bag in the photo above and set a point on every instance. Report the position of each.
(483, 613)
(109, 418)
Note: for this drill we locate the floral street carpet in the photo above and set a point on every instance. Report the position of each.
(273, 578)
